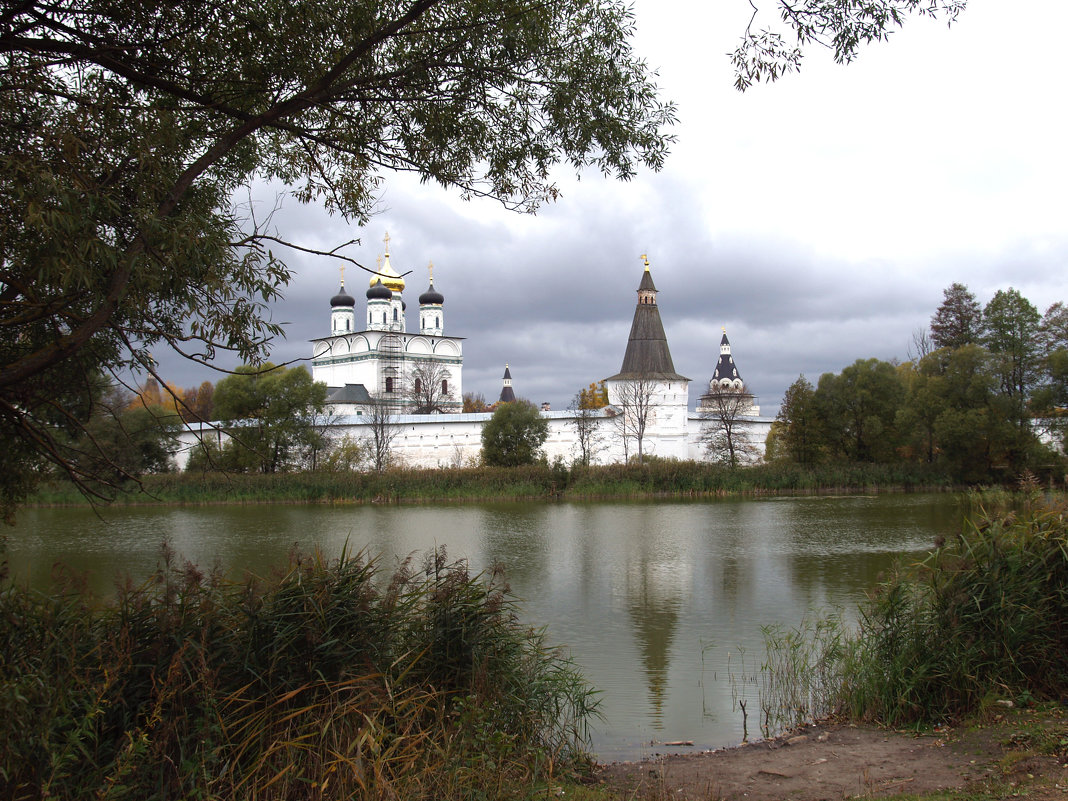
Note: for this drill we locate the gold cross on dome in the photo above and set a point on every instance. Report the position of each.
(645, 259)
(342, 268)
(430, 268)
(386, 240)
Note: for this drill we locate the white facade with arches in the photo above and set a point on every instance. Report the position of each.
(384, 361)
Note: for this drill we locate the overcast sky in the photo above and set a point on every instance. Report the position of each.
(818, 219)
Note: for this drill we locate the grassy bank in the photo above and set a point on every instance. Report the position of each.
(656, 478)
(984, 616)
(328, 681)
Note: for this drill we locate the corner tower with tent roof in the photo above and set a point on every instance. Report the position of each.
(726, 378)
(647, 391)
(507, 393)
(377, 363)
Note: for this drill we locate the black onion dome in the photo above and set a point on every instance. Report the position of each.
(342, 298)
(431, 296)
(379, 291)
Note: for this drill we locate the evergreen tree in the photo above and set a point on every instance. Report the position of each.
(1053, 330)
(798, 439)
(1049, 400)
(973, 431)
(959, 319)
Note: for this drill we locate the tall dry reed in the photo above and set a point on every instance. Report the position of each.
(324, 681)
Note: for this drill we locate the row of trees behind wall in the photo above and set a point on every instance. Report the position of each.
(984, 394)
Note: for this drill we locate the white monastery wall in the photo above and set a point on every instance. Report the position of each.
(453, 440)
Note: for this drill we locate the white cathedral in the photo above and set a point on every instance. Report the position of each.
(387, 364)
(384, 361)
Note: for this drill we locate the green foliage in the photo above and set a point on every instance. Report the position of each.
(119, 444)
(954, 407)
(798, 435)
(1010, 333)
(655, 478)
(134, 128)
(327, 679)
(994, 598)
(858, 410)
(974, 410)
(840, 26)
(514, 435)
(119, 441)
(272, 415)
(205, 456)
(1050, 399)
(345, 455)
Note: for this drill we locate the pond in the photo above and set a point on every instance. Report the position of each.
(660, 602)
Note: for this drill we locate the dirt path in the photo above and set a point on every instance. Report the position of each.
(843, 761)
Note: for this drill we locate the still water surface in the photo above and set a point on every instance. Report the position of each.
(659, 601)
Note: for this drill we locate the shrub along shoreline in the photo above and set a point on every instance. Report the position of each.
(656, 478)
(328, 681)
(994, 598)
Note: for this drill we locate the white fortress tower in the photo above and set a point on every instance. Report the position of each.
(647, 384)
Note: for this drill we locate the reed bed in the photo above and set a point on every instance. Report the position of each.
(983, 616)
(324, 681)
(655, 478)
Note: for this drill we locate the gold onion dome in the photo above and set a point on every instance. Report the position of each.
(390, 277)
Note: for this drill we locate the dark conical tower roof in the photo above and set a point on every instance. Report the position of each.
(725, 367)
(507, 393)
(648, 355)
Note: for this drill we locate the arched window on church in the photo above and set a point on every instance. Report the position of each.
(394, 315)
(444, 387)
(389, 385)
(418, 385)
(437, 322)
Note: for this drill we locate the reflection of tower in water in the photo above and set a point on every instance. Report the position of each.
(657, 582)
(655, 621)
